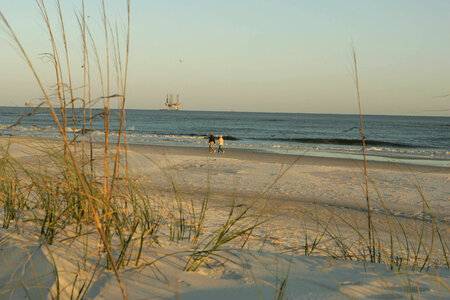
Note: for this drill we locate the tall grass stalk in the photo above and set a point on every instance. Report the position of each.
(366, 181)
(106, 103)
(85, 81)
(199, 223)
(122, 86)
(69, 73)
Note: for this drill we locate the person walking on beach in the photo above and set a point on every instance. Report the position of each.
(220, 145)
(212, 141)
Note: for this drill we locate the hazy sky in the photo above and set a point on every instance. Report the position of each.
(259, 55)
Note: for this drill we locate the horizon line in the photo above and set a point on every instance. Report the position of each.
(268, 112)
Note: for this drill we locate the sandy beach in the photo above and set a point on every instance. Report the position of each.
(333, 116)
(306, 205)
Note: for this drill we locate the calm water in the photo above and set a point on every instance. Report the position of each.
(424, 140)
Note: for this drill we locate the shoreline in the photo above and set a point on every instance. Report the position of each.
(256, 155)
(417, 156)
(263, 156)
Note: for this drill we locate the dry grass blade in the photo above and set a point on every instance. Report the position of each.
(369, 213)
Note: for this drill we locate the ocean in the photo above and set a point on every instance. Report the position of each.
(413, 139)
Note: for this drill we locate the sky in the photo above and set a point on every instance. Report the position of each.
(255, 55)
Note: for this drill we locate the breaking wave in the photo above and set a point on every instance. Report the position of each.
(347, 142)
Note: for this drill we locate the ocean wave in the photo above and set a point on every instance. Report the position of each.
(275, 120)
(230, 138)
(204, 136)
(163, 136)
(190, 136)
(344, 142)
(22, 128)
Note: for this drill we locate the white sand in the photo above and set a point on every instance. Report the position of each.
(299, 191)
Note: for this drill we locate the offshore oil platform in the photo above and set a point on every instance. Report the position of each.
(170, 104)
